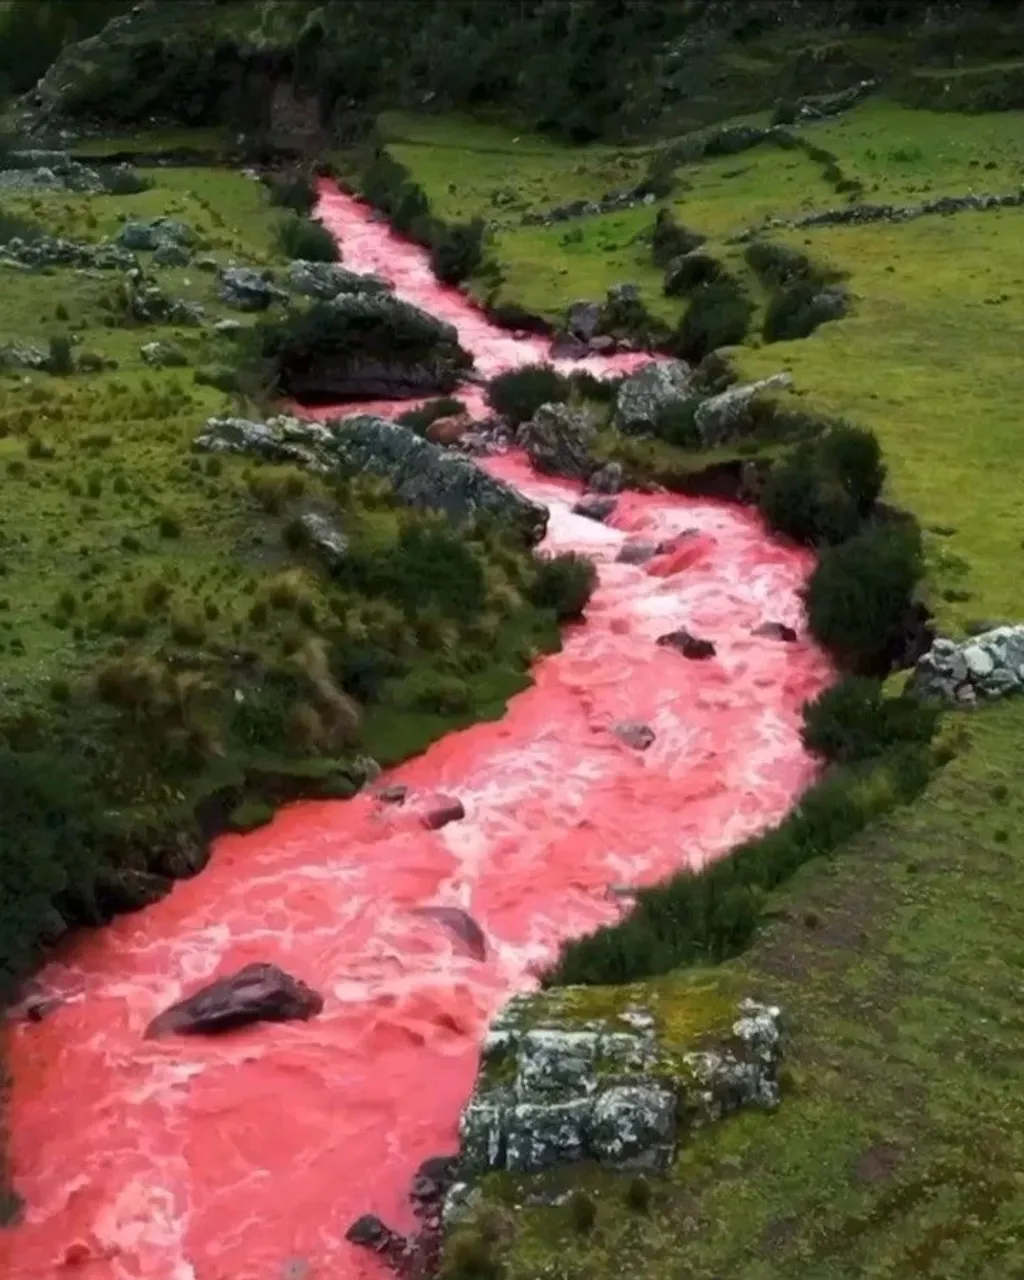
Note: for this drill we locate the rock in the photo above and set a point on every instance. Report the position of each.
(433, 1179)
(228, 328)
(609, 1091)
(637, 551)
(634, 734)
(775, 631)
(325, 280)
(171, 255)
(607, 479)
(370, 1233)
(393, 793)
(54, 251)
(163, 355)
(422, 474)
(325, 536)
(644, 394)
(596, 506)
(688, 645)
(15, 356)
(582, 319)
(989, 665)
(618, 294)
(689, 270)
(247, 289)
(210, 266)
(257, 993)
(461, 924)
(558, 440)
(441, 810)
(122, 889)
(450, 430)
(566, 346)
(602, 344)
(726, 416)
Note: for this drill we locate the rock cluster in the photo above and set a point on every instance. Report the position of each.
(54, 251)
(612, 202)
(423, 474)
(610, 1091)
(151, 234)
(30, 171)
(325, 280)
(147, 303)
(989, 665)
(558, 440)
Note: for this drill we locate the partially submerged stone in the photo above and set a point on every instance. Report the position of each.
(595, 506)
(439, 811)
(775, 631)
(689, 645)
(257, 993)
(634, 733)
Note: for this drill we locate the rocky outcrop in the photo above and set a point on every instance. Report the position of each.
(163, 355)
(155, 233)
(558, 441)
(612, 1090)
(324, 537)
(246, 289)
(26, 172)
(325, 280)
(644, 394)
(726, 416)
(257, 993)
(422, 474)
(607, 479)
(146, 303)
(989, 665)
(55, 251)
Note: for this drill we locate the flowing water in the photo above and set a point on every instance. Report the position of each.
(247, 1156)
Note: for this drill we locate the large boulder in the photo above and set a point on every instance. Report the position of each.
(644, 394)
(727, 416)
(423, 474)
(246, 289)
(148, 235)
(989, 665)
(257, 993)
(558, 441)
(583, 319)
(364, 346)
(325, 280)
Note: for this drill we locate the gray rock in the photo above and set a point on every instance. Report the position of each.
(989, 665)
(422, 474)
(540, 1136)
(325, 537)
(558, 441)
(163, 355)
(325, 280)
(634, 1126)
(644, 394)
(257, 993)
(607, 479)
(54, 251)
(775, 631)
(566, 346)
(23, 356)
(743, 1074)
(634, 734)
(171, 255)
(690, 646)
(726, 416)
(595, 506)
(148, 236)
(247, 289)
(602, 344)
(637, 551)
(582, 319)
(228, 328)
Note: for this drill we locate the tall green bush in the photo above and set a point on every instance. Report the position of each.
(718, 315)
(517, 394)
(299, 237)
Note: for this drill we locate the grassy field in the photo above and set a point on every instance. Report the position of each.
(897, 1149)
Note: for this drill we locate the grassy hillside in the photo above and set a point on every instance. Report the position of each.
(894, 1151)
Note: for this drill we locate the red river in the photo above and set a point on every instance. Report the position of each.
(245, 1157)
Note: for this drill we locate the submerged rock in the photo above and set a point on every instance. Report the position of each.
(634, 734)
(257, 993)
(690, 646)
(440, 810)
(775, 631)
(462, 925)
(558, 441)
(595, 506)
(644, 394)
(988, 665)
(637, 551)
(607, 479)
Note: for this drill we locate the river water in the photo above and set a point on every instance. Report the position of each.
(246, 1157)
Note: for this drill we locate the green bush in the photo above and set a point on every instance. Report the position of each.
(517, 394)
(671, 240)
(294, 191)
(718, 315)
(457, 251)
(676, 423)
(795, 311)
(565, 584)
(60, 360)
(861, 594)
(298, 237)
(777, 265)
(855, 721)
(689, 272)
(588, 387)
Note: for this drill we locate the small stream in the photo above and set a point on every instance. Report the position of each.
(246, 1157)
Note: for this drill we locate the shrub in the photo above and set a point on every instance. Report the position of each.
(519, 393)
(797, 310)
(582, 1211)
(422, 418)
(294, 191)
(638, 1194)
(676, 423)
(298, 237)
(671, 240)
(776, 265)
(689, 272)
(457, 251)
(861, 594)
(718, 315)
(565, 584)
(60, 360)
(854, 721)
(602, 390)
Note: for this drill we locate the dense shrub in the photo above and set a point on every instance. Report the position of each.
(518, 393)
(671, 240)
(423, 417)
(456, 251)
(824, 489)
(676, 423)
(565, 584)
(854, 721)
(795, 311)
(861, 594)
(60, 360)
(776, 264)
(689, 272)
(299, 237)
(718, 315)
(588, 387)
(294, 191)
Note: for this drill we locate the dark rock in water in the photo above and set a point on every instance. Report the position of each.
(462, 924)
(775, 631)
(433, 1178)
(602, 344)
(422, 474)
(122, 889)
(606, 479)
(257, 993)
(566, 346)
(441, 810)
(393, 793)
(596, 506)
(370, 1233)
(637, 551)
(582, 319)
(688, 645)
(558, 440)
(634, 734)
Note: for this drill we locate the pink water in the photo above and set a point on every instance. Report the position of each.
(246, 1157)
